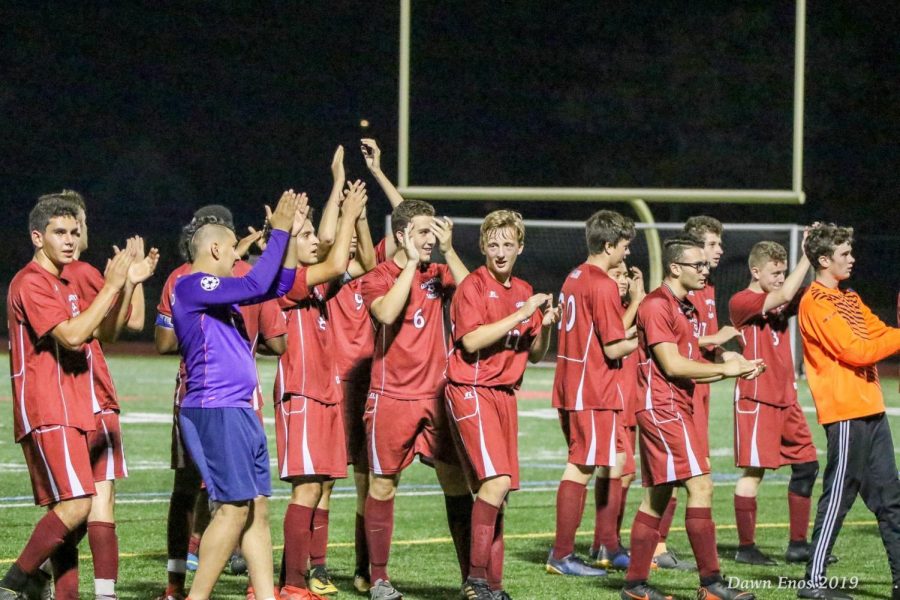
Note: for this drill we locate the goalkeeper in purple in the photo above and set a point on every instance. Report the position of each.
(220, 429)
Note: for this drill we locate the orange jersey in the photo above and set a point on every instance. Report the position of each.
(842, 341)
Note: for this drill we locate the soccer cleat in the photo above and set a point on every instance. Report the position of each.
(361, 582)
(642, 591)
(799, 552)
(8, 594)
(383, 590)
(40, 586)
(669, 560)
(193, 561)
(237, 564)
(825, 594)
(721, 590)
(501, 595)
(290, 592)
(319, 581)
(476, 589)
(572, 565)
(171, 594)
(603, 558)
(752, 555)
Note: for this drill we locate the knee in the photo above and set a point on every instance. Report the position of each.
(73, 512)
(232, 511)
(803, 478)
(494, 491)
(701, 490)
(382, 488)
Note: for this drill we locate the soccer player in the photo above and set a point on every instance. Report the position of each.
(499, 323)
(842, 341)
(188, 503)
(219, 427)
(404, 412)
(769, 425)
(354, 344)
(667, 328)
(588, 395)
(631, 289)
(309, 423)
(49, 326)
(105, 442)
(386, 248)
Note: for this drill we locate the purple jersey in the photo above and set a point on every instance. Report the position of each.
(221, 371)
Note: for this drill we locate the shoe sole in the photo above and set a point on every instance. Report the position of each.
(554, 571)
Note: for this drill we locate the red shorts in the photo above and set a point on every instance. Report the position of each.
(485, 427)
(106, 448)
(308, 435)
(701, 418)
(593, 436)
(354, 393)
(59, 464)
(769, 436)
(669, 447)
(398, 430)
(629, 435)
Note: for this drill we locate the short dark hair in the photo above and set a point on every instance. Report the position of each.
(220, 213)
(823, 239)
(188, 233)
(674, 248)
(607, 227)
(70, 195)
(763, 252)
(51, 206)
(404, 213)
(701, 224)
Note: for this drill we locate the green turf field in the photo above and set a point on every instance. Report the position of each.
(423, 564)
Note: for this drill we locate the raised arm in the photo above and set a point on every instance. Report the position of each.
(389, 307)
(335, 263)
(443, 231)
(372, 154)
(131, 300)
(365, 250)
(636, 293)
(792, 283)
(328, 223)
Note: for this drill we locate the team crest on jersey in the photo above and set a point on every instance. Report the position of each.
(209, 283)
(359, 301)
(432, 288)
(321, 323)
(575, 274)
(73, 305)
(493, 294)
(468, 396)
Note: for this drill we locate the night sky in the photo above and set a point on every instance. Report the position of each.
(152, 112)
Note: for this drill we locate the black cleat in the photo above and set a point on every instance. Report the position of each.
(823, 594)
(642, 591)
(476, 589)
(721, 590)
(8, 594)
(799, 552)
(752, 555)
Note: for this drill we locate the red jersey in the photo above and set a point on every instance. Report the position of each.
(766, 336)
(629, 384)
(591, 318)
(87, 282)
(381, 251)
(705, 302)
(662, 317)
(50, 384)
(481, 300)
(411, 354)
(307, 368)
(354, 334)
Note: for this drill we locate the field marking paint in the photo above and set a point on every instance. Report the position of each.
(538, 535)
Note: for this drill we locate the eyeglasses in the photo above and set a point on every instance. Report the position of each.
(697, 266)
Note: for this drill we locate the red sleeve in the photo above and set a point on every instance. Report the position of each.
(607, 311)
(373, 285)
(745, 306)
(656, 321)
(165, 299)
(381, 251)
(88, 282)
(41, 305)
(467, 309)
(298, 292)
(271, 320)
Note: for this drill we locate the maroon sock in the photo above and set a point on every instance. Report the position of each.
(459, 519)
(104, 548)
(608, 499)
(701, 532)
(194, 544)
(495, 566)
(484, 520)
(297, 533)
(745, 516)
(359, 541)
(569, 508)
(379, 530)
(798, 509)
(665, 521)
(48, 534)
(65, 565)
(644, 537)
(621, 516)
(318, 545)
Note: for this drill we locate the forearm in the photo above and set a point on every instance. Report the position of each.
(789, 289)
(138, 310)
(457, 267)
(387, 187)
(335, 263)
(630, 314)
(540, 345)
(165, 340)
(491, 333)
(117, 318)
(328, 222)
(365, 248)
(863, 353)
(76, 331)
(389, 307)
(675, 365)
(620, 348)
